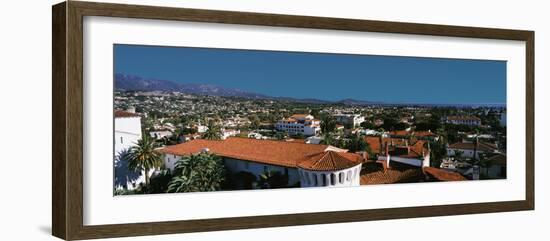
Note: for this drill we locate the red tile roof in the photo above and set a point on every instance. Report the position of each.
(400, 133)
(330, 161)
(124, 114)
(377, 145)
(402, 173)
(443, 175)
(393, 175)
(424, 133)
(280, 153)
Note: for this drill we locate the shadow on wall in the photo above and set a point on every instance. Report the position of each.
(123, 174)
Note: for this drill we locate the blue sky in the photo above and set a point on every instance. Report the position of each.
(324, 76)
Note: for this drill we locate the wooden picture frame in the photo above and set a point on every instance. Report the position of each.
(67, 123)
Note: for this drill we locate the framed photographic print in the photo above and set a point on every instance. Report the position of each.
(290, 120)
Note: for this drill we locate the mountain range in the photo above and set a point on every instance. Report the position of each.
(126, 82)
(133, 83)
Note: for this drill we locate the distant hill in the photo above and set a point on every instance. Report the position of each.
(358, 102)
(132, 83)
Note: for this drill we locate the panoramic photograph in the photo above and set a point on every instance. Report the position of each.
(190, 119)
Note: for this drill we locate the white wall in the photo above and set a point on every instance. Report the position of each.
(27, 57)
(465, 152)
(350, 177)
(127, 133)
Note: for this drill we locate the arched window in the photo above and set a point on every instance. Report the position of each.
(341, 177)
(349, 175)
(324, 179)
(332, 179)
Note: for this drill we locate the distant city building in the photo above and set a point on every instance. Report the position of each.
(229, 133)
(159, 134)
(351, 120)
(467, 149)
(309, 165)
(255, 135)
(201, 128)
(423, 135)
(314, 140)
(303, 124)
(414, 153)
(463, 120)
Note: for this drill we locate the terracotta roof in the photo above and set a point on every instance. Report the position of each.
(443, 175)
(279, 153)
(424, 133)
(124, 114)
(330, 161)
(296, 140)
(399, 133)
(481, 146)
(397, 174)
(377, 145)
(374, 173)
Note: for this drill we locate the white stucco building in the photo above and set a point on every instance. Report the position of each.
(303, 124)
(127, 132)
(304, 164)
(466, 149)
(330, 169)
(351, 120)
(226, 133)
(413, 153)
(463, 120)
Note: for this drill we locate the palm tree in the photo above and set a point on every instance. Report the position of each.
(272, 179)
(213, 132)
(328, 124)
(197, 173)
(144, 157)
(476, 143)
(356, 144)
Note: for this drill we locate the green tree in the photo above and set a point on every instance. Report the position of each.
(368, 125)
(213, 132)
(272, 179)
(198, 173)
(158, 183)
(254, 121)
(144, 157)
(328, 124)
(437, 153)
(458, 154)
(356, 144)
